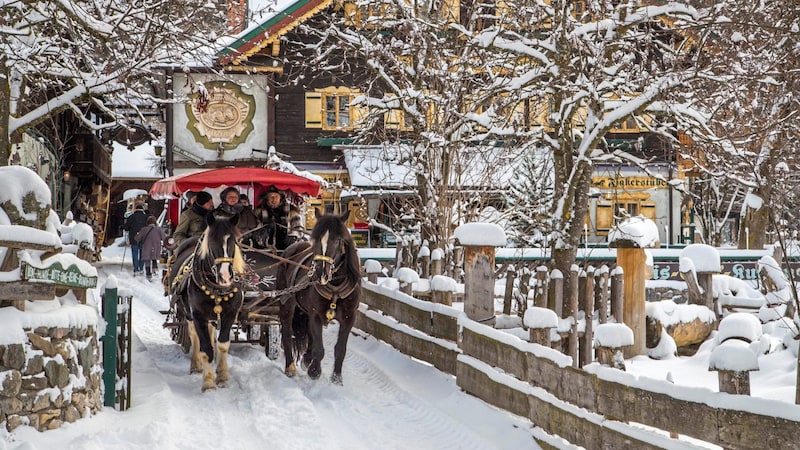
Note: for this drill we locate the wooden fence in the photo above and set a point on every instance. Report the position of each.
(592, 409)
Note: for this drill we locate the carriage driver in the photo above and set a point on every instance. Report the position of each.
(273, 213)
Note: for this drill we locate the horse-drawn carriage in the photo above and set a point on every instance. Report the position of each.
(257, 320)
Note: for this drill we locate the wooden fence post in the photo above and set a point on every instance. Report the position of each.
(437, 257)
(556, 299)
(373, 269)
(479, 283)
(609, 341)
(601, 290)
(540, 323)
(424, 261)
(572, 343)
(524, 288)
(586, 355)
(478, 241)
(406, 277)
(617, 291)
(541, 290)
(630, 238)
(508, 295)
(699, 255)
(442, 289)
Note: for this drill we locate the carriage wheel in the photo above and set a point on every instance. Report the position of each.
(253, 333)
(272, 339)
(183, 337)
(180, 332)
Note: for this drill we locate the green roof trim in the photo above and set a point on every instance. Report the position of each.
(252, 34)
(331, 141)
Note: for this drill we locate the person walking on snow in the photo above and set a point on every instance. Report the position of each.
(133, 224)
(150, 239)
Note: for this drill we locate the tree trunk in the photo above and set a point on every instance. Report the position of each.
(5, 113)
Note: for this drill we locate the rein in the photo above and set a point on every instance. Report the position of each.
(275, 256)
(330, 292)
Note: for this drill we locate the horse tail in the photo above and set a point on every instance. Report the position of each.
(300, 330)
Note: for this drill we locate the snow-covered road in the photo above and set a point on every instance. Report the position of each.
(388, 400)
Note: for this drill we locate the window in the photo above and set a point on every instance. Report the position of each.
(333, 109)
(337, 111)
(609, 213)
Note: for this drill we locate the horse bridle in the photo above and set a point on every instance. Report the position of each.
(212, 289)
(330, 291)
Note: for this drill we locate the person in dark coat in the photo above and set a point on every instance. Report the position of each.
(193, 221)
(273, 214)
(133, 224)
(150, 239)
(247, 220)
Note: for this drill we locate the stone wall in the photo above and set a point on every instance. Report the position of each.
(53, 378)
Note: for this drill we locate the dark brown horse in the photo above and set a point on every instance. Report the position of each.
(325, 275)
(209, 287)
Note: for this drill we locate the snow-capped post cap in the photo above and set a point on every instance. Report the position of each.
(481, 234)
(704, 257)
(634, 232)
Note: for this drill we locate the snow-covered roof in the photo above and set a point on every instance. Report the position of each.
(386, 166)
(271, 19)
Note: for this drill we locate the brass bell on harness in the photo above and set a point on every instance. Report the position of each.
(218, 310)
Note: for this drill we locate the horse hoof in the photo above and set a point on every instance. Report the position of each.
(337, 379)
(314, 373)
(207, 387)
(290, 371)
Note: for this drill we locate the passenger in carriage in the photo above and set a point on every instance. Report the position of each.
(192, 221)
(232, 205)
(274, 215)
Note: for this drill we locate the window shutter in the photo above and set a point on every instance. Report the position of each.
(605, 216)
(313, 110)
(649, 210)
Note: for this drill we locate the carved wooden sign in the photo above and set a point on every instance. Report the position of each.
(55, 273)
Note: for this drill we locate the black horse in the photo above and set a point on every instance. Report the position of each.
(207, 286)
(324, 275)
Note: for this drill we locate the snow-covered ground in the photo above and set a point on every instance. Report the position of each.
(388, 400)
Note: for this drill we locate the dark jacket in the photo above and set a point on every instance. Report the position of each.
(150, 239)
(275, 226)
(191, 223)
(135, 222)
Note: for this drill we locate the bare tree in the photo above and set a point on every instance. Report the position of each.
(752, 141)
(82, 55)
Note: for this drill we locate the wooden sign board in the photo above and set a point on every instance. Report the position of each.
(71, 276)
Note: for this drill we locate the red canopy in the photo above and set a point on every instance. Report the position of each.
(174, 186)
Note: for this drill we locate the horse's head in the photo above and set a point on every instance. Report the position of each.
(332, 244)
(220, 251)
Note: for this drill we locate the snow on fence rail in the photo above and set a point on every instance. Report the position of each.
(540, 378)
(595, 408)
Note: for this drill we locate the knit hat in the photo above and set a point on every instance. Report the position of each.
(202, 198)
(226, 191)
